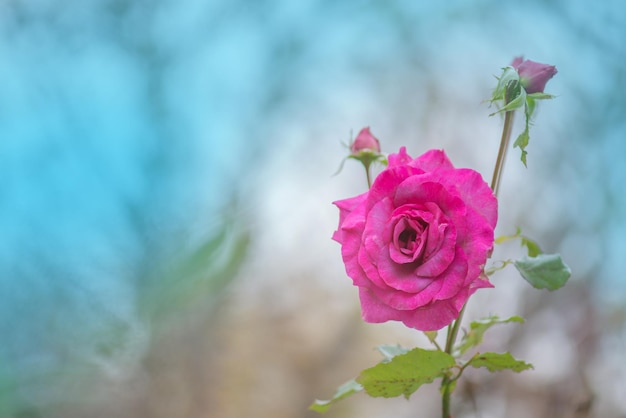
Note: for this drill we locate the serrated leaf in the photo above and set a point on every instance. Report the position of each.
(522, 142)
(390, 351)
(499, 361)
(478, 328)
(545, 271)
(349, 388)
(405, 373)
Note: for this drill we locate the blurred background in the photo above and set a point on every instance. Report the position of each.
(166, 179)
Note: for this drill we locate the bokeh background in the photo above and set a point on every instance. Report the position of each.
(166, 173)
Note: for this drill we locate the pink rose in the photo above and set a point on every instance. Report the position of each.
(533, 75)
(365, 141)
(416, 243)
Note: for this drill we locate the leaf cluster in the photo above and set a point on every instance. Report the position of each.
(403, 371)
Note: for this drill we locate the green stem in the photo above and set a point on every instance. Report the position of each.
(504, 146)
(452, 334)
(368, 176)
(445, 398)
(453, 330)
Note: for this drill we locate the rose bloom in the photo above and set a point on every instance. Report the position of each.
(533, 75)
(416, 243)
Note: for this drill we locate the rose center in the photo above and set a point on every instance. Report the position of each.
(407, 241)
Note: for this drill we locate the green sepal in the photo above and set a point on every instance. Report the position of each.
(431, 335)
(405, 373)
(349, 388)
(509, 91)
(478, 328)
(509, 75)
(545, 271)
(541, 96)
(367, 157)
(495, 362)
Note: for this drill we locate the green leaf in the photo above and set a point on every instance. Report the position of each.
(405, 373)
(499, 361)
(478, 328)
(545, 271)
(390, 351)
(533, 248)
(522, 142)
(349, 388)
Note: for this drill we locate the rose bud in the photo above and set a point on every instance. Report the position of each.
(533, 75)
(365, 141)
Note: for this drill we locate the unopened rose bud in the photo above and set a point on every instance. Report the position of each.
(533, 75)
(365, 141)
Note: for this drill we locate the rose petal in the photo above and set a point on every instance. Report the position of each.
(473, 191)
(431, 317)
(401, 158)
(373, 310)
(432, 160)
(346, 207)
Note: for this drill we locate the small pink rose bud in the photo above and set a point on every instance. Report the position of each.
(533, 75)
(365, 141)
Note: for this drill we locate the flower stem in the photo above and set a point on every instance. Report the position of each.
(504, 146)
(368, 175)
(445, 398)
(453, 330)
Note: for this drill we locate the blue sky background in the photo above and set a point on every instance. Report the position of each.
(131, 132)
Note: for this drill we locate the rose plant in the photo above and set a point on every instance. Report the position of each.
(416, 245)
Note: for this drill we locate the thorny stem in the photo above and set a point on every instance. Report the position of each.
(453, 330)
